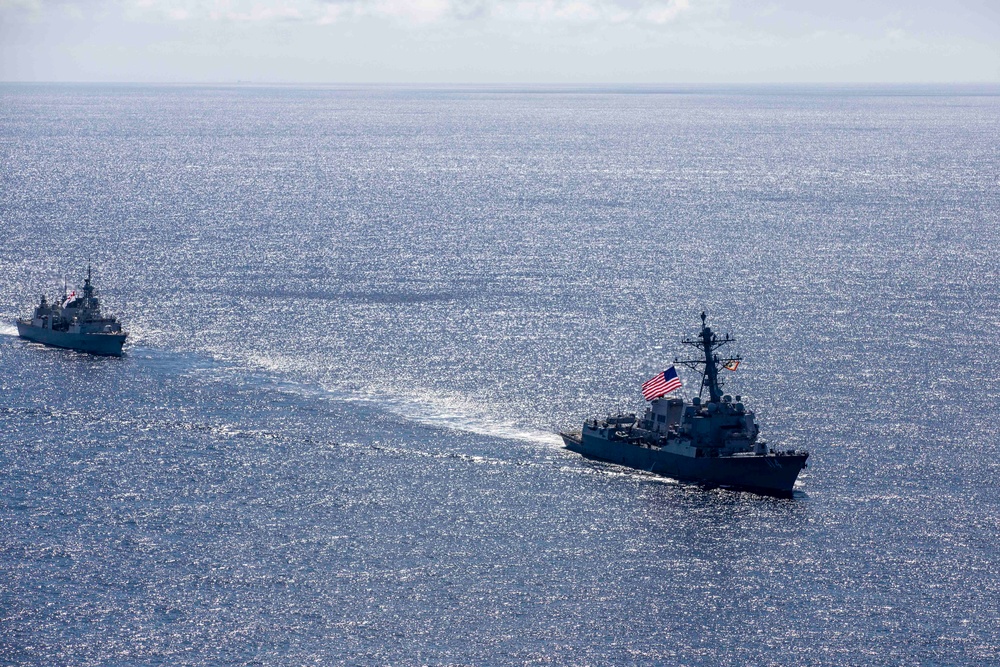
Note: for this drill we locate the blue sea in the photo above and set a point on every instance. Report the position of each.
(359, 317)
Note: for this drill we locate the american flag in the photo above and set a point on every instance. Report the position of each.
(660, 384)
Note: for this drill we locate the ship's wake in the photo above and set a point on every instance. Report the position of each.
(447, 411)
(434, 408)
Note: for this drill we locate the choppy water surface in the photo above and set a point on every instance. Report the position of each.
(359, 316)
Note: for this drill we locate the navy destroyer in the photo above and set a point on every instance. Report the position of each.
(74, 322)
(714, 442)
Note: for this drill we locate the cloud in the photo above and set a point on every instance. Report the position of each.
(410, 11)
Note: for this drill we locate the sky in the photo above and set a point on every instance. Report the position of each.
(501, 41)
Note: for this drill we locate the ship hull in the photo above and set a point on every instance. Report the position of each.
(772, 474)
(107, 344)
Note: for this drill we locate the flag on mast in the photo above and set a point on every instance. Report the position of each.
(660, 384)
(732, 364)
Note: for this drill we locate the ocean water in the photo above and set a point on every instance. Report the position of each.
(360, 316)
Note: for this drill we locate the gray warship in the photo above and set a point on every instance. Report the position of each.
(74, 322)
(715, 442)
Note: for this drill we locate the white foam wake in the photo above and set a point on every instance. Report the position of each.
(448, 411)
(8, 330)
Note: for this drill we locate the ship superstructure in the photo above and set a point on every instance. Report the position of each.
(715, 441)
(74, 322)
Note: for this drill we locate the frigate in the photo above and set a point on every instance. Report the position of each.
(715, 442)
(74, 322)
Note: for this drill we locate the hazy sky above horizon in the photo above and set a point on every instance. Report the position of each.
(500, 41)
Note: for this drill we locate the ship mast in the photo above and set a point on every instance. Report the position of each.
(88, 289)
(707, 343)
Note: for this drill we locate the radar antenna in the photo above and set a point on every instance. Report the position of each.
(707, 343)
